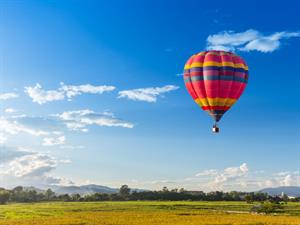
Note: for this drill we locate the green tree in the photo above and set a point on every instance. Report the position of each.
(285, 198)
(4, 196)
(165, 189)
(181, 190)
(49, 194)
(32, 196)
(75, 197)
(124, 190)
(64, 197)
(249, 198)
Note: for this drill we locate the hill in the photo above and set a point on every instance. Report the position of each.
(83, 189)
(289, 190)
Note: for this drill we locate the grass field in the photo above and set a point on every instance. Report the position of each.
(142, 213)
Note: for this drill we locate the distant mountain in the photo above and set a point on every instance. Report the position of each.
(31, 188)
(83, 189)
(289, 190)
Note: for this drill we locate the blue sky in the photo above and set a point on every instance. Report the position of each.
(91, 92)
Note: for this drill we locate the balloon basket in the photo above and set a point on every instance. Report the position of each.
(215, 129)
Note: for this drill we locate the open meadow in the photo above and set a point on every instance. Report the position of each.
(143, 212)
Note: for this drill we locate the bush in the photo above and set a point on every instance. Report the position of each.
(266, 208)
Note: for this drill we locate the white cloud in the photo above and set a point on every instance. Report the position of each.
(72, 147)
(38, 127)
(8, 95)
(238, 178)
(72, 90)
(285, 178)
(42, 96)
(81, 119)
(250, 40)
(51, 141)
(230, 173)
(207, 173)
(13, 127)
(65, 161)
(8, 154)
(29, 168)
(146, 94)
(10, 110)
(3, 138)
(31, 165)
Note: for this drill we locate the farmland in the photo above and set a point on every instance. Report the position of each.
(143, 212)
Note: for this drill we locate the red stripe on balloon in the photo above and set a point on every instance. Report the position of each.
(216, 88)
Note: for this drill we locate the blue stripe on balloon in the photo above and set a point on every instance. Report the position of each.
(220, 68)
(222, 77)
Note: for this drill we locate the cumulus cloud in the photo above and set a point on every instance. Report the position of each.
(41, 96)
(8, 95)
(146, 94)
(28, 167)
(285, 178)
(230, 173)
(239, 178)
(250, 40)
(52, 141)
(34, 164)
(81, 119)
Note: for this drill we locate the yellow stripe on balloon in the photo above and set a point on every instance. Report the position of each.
(212, 63)
(215, 101)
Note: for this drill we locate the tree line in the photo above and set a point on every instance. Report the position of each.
(21, 194)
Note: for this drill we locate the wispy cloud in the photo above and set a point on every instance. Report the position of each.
(81, 119)
(72, 147)
(146, 94)
(8, 95)
(47, 130)
(13, 127)
(250, 40)
(73, 90)
(3, 138)
(41, 96)
(10, 110)
(52, 141)
(207, 173)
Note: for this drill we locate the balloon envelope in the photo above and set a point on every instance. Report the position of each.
(215, 80)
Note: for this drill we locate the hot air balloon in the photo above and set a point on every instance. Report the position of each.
(215, 80)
